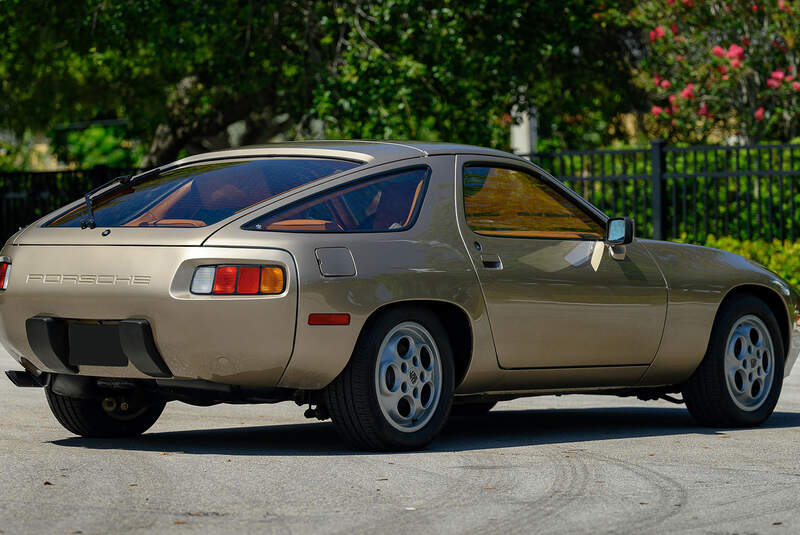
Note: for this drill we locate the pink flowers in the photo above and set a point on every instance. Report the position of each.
(665, 84)
(735, 52)
(759, 114)
(688, 3)
(773, 83)
(656, 110)
(674, 29)
(755, 8)
(783, 6)
(718, 51)
(796, 86)
(688, 92)
(657, 33)
(735, 63)
(722, 69)
(703, 110)
(778, 75)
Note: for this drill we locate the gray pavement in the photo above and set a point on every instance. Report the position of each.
(574, 464)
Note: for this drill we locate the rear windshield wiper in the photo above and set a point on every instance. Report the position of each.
(89, 221)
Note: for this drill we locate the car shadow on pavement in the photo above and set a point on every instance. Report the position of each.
(497, 429)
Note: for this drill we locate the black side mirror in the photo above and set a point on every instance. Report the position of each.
(619, 231)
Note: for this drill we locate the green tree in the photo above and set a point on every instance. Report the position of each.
(182, 73)
(720, 66)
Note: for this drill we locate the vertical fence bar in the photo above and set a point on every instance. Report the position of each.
(658, 189)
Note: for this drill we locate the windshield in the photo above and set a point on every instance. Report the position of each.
(201, 195)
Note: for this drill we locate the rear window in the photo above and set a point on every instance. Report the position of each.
(201, 195)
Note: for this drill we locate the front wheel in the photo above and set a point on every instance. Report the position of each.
(396, 392)
(739, 380)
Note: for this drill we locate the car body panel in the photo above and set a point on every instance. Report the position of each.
(244, 340)
(557, 303)
(699, 278)
(266, 341)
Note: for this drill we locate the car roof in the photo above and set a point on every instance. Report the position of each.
(374, 152)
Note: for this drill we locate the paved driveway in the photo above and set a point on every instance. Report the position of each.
(575, 464)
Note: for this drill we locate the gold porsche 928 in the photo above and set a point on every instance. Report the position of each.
(385, 285)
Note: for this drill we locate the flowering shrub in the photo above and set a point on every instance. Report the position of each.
(729, 66)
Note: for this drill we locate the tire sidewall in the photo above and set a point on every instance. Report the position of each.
(370, 354)
(730, 315)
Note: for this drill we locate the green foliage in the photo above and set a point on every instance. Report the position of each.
(183, 72)
(452, 71)
(781, 257)
(99, 145)
(719, 67)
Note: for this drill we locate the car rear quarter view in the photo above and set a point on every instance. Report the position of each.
(385, 285)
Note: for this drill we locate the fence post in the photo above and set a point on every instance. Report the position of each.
(658, 189)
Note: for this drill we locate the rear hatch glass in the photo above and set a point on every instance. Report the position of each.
(200, 195)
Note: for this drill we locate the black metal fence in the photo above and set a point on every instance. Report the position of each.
(27, 196)
(748, 192)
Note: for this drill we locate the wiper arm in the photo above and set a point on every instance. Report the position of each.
(89, 221)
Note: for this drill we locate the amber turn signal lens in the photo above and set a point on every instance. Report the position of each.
(271, 280)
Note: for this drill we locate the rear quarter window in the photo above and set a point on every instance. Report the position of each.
(384, 203)
(202, 194)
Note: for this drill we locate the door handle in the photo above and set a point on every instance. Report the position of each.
(491, 261)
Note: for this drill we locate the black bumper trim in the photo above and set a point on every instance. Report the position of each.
(50, 340)
(136, 339)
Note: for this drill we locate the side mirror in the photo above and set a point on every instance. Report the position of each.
(619, 231)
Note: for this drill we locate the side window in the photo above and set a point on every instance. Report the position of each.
(385, 203)
(513, 203)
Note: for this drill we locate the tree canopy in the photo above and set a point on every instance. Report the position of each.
(191, 76)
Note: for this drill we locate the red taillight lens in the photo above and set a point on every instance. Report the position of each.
(5, 274)
(249, 277)
(225, 280)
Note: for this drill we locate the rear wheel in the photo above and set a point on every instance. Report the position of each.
(739, 380)
(396, 392)
(109, 417)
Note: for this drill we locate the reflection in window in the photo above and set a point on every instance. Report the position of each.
(202, 194)
(386, 203)
(513, 203)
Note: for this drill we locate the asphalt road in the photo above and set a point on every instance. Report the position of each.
(575, 464)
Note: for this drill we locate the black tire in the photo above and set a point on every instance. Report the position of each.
(472, 410)
(352, 399)
(706, 393)
(88, 418)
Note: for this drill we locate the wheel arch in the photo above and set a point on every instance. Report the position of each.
(772, 299)
(455, 321)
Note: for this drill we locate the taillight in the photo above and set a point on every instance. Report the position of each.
(238, 280)
(5, 274)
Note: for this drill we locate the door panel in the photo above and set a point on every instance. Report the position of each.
(556, 302)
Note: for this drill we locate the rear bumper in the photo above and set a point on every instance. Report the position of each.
(135, 303)
(63, 345)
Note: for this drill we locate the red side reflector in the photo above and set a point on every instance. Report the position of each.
(329, 319)
(225, 280)
(249, 278)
